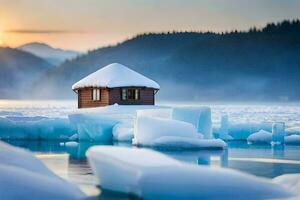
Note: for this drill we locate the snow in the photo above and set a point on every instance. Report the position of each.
(266, 137)
(25, 177)
(37, 127)
(115, 75)
(292, 139)
(200, 117)
(278, 132)
(152, 175)
(160, 112)
(170, 133)
(261, 136)
(123, 132)
(148, 129)
(289, 181)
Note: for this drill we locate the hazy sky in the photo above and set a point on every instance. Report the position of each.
(88, 24)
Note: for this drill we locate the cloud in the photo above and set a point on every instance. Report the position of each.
(42, 31)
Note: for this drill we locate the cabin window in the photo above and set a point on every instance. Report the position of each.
(130, 94)
(124, 94)
(96, 94)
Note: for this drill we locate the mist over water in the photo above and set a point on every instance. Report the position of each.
(237, 112)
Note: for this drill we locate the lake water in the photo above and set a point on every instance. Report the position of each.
(260, 160)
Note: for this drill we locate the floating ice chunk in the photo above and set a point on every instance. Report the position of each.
(148, 129)
(71, 144)
(93, 127)
(123, 132)
(25, 177)
(261, 136)
(278, 132)
(32, 128)
(12, 156)
(55, 128)
(293, 130)
(200, 117)
(159, 132)
(152, 175)
(289, 181)
(242, 131)
(292, 139)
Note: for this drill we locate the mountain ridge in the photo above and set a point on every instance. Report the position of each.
(255, 65)
(55, 56)
(18, 71)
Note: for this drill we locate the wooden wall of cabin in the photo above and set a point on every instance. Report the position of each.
(146, 97)
(85, 98)
(113, 95)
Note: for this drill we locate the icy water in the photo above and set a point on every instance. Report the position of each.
(260, 160)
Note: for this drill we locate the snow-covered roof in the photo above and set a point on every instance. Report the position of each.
(115, 75)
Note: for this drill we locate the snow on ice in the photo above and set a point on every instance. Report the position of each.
(261, 136)
(123, 132)
(200, 117)
(25, 177)
(170, 133)
(152, 175)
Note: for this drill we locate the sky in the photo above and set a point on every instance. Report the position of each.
(89, 24)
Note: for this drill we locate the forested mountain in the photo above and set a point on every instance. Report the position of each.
(257, 65)
(18, 70)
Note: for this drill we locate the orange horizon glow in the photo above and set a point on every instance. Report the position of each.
(82, 26)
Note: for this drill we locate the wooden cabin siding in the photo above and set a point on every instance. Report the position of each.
(110, 96)
(85, 98)
(146, 97)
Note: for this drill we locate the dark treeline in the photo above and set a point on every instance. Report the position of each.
(261, 64)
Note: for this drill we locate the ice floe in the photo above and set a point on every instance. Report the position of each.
(170, 133)
(261, 136)
(123, 132)
(289, 181)
(200, 117)
(25, 177)
(151, 175)
(33, 128)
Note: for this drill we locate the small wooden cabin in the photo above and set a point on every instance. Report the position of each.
(115, 84)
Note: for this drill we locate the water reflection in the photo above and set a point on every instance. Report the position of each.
(261, 160)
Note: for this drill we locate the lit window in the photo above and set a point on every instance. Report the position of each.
(124, 94)
(130, 94)
(96, 94)
(137, 94)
